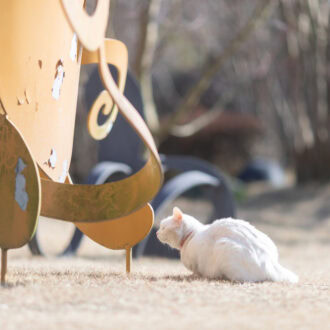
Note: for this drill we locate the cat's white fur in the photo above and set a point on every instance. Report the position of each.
(228, 248)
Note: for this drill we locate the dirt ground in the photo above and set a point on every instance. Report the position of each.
(92, 291)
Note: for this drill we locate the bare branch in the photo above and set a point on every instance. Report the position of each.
(149, 37)
(194, 94)
(196, 125)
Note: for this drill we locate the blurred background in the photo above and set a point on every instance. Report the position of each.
(234, 82)
(243, 85)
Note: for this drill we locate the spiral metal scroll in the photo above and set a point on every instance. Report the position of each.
(116, 54)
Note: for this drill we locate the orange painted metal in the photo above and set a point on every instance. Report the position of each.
(90, 29)
(37, 43)
(19, 189)
(123, 232)
(39, 72)
(92, 203)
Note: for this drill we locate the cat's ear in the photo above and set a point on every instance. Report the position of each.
(177, 214)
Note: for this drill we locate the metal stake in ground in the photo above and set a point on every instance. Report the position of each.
(3, 266)
(128, 259)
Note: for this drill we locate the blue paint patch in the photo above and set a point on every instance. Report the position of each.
(21, 195)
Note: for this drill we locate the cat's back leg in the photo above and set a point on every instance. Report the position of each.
(236, 262)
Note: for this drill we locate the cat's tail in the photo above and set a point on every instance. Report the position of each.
(282, 274)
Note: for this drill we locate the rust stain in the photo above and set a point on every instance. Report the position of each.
(51, 162)
(27, 97)
(40, 64)
(58, 64)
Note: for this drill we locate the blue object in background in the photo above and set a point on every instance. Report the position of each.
(261, 169)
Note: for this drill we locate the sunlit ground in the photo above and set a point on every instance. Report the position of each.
(92, 291)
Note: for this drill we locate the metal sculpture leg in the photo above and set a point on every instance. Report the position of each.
(3, 266)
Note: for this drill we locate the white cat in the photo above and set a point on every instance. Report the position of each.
(228, 249)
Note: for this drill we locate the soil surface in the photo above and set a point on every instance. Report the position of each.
(92, 291)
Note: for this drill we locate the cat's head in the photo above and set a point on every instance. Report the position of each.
(171, 229)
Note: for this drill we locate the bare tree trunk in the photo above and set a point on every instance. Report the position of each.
(327, 66)
(309, 94)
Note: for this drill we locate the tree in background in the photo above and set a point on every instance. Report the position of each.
(192, 42)
(299, 86)
(196, 59)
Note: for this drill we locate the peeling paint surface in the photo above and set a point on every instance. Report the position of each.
(59, 76)
(21, 195)
(64, 172)
(74, 48)
(52, 159)
(20, 101)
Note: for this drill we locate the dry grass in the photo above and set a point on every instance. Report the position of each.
(93, 292)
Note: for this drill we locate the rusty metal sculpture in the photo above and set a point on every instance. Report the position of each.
(45, 43)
